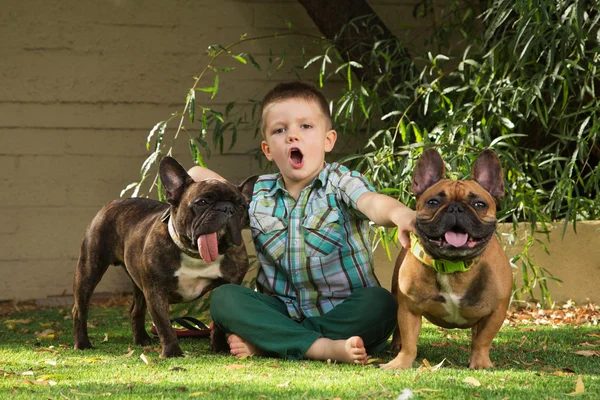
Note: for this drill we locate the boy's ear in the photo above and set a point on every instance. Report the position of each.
(330, 138)
(266, 150)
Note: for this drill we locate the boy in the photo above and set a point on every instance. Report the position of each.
(317, 295)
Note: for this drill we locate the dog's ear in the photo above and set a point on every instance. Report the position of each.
(487, 171)
(429, 170)
(247, 187)
(174, 179)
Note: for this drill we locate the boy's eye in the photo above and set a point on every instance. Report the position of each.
(306, 126)
(279, 130)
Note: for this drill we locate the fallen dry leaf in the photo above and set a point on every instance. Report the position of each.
(47, 350)
(568, 314)
(145, 359)
(284, 384)
(46, 334)
(427, 366)
(128, 355)
(472, 381)
(236, 366)
(51, 362)
(91, 359)
(10, 323)
(579, 386)
(105, 338)
(587, 353)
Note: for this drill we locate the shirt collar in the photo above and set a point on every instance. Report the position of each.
(320, 178)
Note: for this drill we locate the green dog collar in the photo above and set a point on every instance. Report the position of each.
(442, 266)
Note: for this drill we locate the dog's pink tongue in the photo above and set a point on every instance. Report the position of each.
(208, 247)
(456, 239)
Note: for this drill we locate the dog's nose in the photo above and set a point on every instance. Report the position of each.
(226, 208)
(456, 208)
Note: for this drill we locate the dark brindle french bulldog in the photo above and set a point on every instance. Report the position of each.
(172, 254)
(456, 273)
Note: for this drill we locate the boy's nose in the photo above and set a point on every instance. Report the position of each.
(292, 136)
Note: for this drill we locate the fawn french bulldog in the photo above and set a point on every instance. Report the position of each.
(456, 273)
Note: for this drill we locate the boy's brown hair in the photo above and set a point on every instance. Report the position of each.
(294, 90)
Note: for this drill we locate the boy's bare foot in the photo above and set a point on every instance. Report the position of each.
(351, 351)
(240, 348)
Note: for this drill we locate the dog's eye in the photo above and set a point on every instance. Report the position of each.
(433, 202)
(479, 204)
(201, 202)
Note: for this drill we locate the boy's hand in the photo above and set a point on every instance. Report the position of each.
(405, 223)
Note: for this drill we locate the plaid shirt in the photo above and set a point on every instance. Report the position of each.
(314, 251)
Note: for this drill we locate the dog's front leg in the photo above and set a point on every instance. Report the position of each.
(138, 318)
(409, 325)
(158, 306)
(482, 336)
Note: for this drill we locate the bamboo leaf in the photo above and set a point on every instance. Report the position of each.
(216, 86)
(192, 104)
(240, 58)
(253, 62)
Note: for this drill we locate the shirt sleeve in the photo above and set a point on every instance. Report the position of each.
(350, 185)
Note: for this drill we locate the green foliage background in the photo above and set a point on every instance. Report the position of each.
(520, 77)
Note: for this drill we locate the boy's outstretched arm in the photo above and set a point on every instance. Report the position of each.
(386, 211)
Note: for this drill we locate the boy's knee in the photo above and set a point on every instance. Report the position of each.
(380, 301)
(223, 300)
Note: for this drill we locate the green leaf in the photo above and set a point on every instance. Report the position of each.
(157, 128)
(128, 188)
(253, 62)
(214, 93)
(240, 58)
(191, 100)
(196, 156)
(391, 113)
(160, 191)
(217, 115)
(283, 55)
(207, 89)
(312, 60)
(151, 160)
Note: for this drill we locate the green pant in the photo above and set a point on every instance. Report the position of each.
(263, 320)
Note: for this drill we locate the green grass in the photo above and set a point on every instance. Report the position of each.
(531, 363)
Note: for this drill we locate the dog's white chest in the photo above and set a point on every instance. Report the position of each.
(452, 303)
(196, 274)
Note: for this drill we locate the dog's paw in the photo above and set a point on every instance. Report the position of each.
(482, 362)
(142, 339)
(171, 351)
(83, 345)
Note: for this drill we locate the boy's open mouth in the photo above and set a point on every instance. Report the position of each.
(296, 157)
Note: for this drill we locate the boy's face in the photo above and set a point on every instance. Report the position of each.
(297, 136)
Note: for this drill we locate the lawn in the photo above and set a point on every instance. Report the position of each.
(536, 357)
